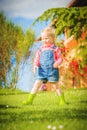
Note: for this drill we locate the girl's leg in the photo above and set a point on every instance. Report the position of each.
(56, 88)
(60, 94)
(36, 86)
(32, 94)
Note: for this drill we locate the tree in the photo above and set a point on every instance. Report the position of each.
(13, 42)
(6, 44)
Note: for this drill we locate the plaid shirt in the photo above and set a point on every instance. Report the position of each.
(56, 52)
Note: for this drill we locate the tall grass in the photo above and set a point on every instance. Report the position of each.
(45, 113)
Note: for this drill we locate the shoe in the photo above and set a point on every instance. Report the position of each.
(29, 101)
(62, 101)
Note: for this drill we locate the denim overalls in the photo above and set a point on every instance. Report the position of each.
(45, 71)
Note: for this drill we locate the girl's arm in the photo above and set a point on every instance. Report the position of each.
(57, 57)
(36, 61)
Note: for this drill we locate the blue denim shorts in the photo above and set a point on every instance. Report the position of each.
(49, 74)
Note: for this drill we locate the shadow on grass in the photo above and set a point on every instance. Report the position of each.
(13, 93)
(38, 115)
(83, 101)
(7, 107)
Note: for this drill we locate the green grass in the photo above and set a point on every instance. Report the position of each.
(45, 113)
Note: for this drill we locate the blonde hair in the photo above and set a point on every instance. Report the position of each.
(49, 31)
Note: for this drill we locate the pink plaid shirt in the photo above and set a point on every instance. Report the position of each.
(57, 54)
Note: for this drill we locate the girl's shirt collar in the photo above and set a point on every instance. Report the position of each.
(50, 45)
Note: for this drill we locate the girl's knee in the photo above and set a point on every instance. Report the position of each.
(38, 82)
(55, 85)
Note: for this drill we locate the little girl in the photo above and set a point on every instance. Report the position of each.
(46, 64)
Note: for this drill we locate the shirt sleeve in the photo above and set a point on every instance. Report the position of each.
(37, 59)
(58, 56)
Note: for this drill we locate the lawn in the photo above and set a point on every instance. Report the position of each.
(45, 113)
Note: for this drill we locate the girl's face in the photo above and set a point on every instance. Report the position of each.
(46, 38)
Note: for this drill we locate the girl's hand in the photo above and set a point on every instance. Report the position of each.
(55, 65)
(34, 69)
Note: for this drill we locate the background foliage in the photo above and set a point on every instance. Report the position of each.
(13, 42)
